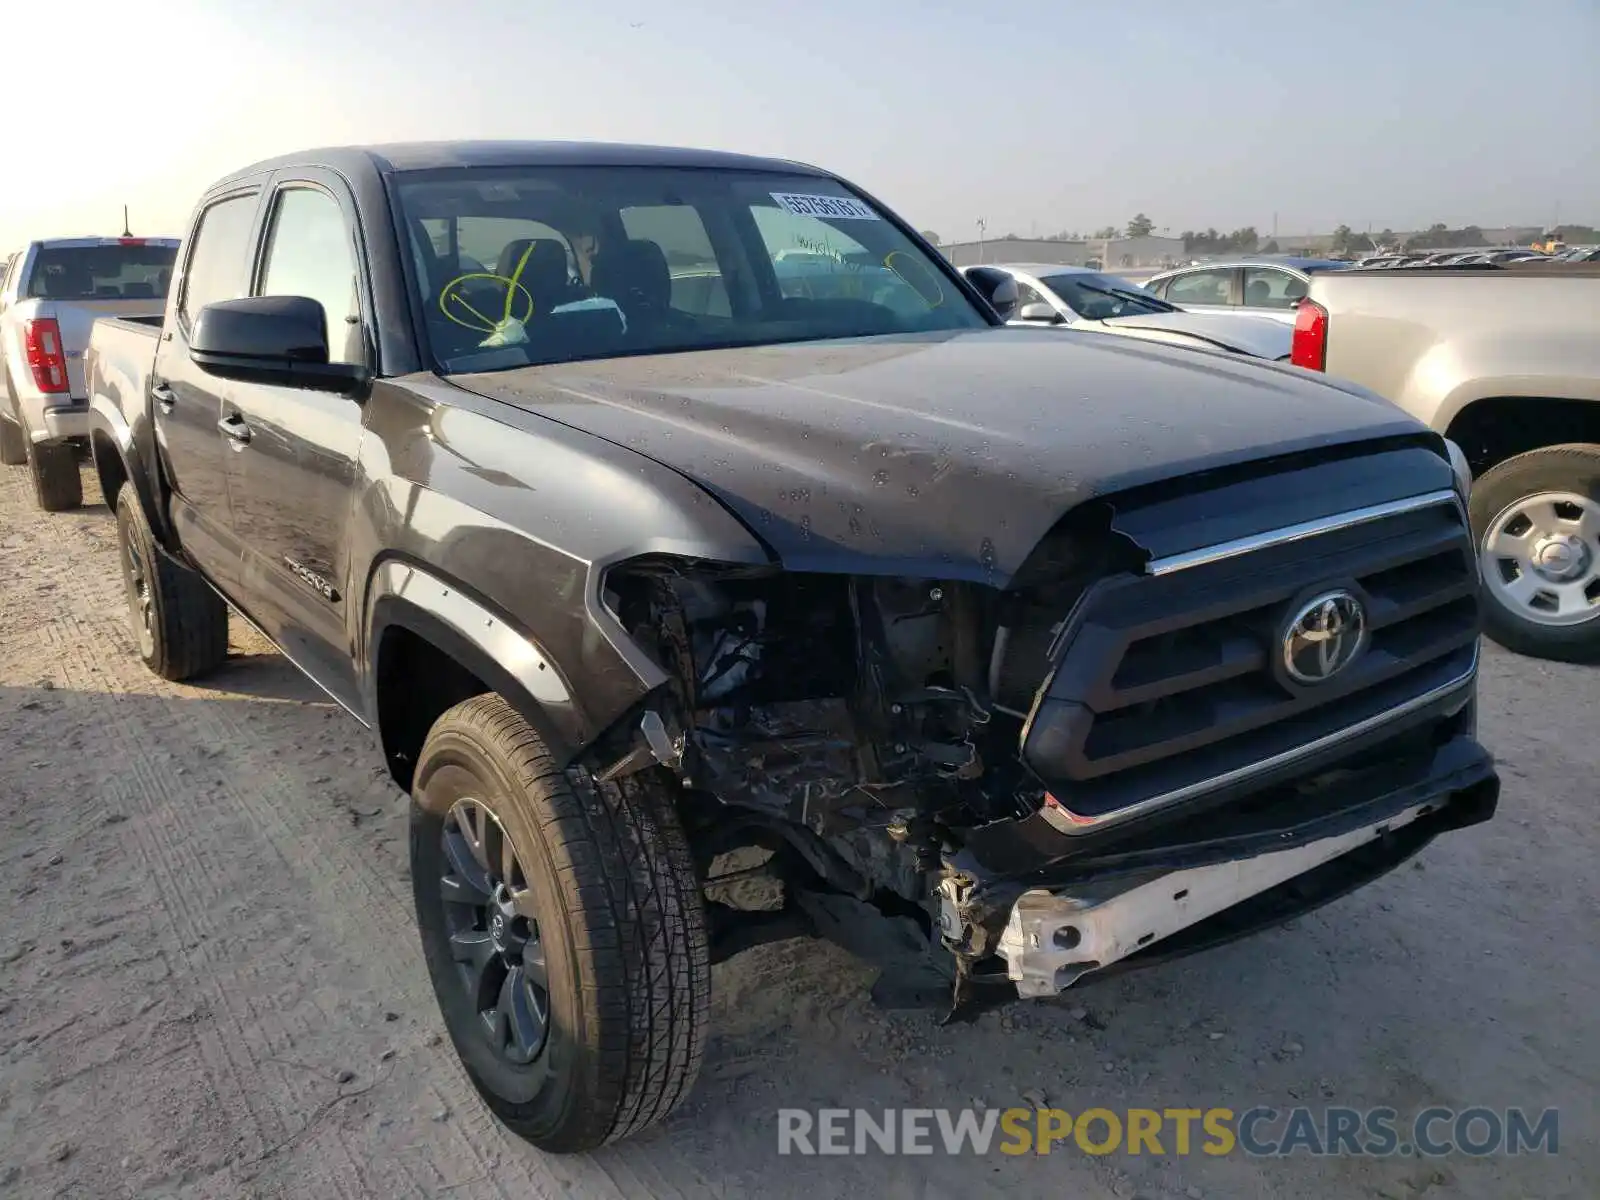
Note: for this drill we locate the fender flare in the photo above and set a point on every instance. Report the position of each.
(108, 425)
(403, 595)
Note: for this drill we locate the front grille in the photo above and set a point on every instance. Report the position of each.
(1165, 682)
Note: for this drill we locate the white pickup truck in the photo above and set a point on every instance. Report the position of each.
(51, 294)
(1505, 362)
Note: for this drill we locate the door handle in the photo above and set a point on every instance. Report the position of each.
(164, 396)
(233, 425)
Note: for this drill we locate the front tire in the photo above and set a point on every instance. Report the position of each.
(179, 623)
(57, 485)
(1536, 520)
(563, 927)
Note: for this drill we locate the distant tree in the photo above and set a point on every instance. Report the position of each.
(1140, 226)
(1387, 238)
(1577, 234)
(1346, 240)
(929, 235)
(1271, 247)
(1105, 231)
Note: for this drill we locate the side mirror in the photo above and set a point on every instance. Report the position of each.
(1041, 312)
(271, 339)
(1005, 297)
(997, 287)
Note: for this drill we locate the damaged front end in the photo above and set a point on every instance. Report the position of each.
(1001, 791)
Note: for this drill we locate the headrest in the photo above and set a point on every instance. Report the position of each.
(634, 273)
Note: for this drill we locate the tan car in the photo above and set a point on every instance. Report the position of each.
(1506, 363)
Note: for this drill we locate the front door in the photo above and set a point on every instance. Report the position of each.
(291, 452)
(188, 402)
(1209, 290)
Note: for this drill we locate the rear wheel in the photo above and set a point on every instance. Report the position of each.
(1536, 518)
(57, 485)
(13, 443)
(179, 623)
(563, 927)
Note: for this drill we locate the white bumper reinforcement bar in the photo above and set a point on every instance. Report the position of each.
(1053, 938)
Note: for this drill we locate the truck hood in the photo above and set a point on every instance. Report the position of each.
(944, 455)
(1245, 334)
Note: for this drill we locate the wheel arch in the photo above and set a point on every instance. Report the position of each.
(431, 643)
(1495, 427)
(117, 460)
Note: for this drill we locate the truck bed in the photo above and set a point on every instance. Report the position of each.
(1420, 337)
(116, 365)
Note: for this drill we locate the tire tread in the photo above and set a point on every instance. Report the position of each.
(57, 483)
(638, 923)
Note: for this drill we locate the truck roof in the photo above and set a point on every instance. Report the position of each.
(393, 157)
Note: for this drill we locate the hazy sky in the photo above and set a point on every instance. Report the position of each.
(1038, 116)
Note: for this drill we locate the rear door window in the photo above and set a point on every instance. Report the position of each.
(219, 258)
(1268, 287)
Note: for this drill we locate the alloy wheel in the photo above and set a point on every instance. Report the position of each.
(494, 932)
(136, 576)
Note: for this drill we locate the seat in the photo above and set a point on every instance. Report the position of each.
(70, 283)
(1258, 294)
(543, 263)
(1296, 290)
(635, 275)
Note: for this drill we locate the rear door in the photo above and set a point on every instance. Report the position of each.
(291, 456)
(188, 402)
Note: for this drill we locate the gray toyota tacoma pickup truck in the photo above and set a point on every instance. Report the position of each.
(1009, 658)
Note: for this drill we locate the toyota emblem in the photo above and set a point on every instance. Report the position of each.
(1326, 634)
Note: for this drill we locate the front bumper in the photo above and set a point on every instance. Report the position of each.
(1046, 923)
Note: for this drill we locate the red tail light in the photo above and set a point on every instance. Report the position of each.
(41, 342)
(1309, 346)
(130, 241)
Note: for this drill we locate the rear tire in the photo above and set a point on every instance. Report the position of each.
(13, 443)
(1557, 487)
(599, 880)
(179, 624)
(57, 485)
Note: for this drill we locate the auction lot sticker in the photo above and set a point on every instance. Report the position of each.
(844, 208)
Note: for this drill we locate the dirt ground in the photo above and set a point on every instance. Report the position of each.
(210, 985)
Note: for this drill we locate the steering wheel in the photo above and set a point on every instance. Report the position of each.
(452, 295)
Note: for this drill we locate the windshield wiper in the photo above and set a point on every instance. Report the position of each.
(1150, 303)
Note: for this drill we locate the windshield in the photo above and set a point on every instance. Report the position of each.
(116, 270)
(522, 266)
(1099, 297)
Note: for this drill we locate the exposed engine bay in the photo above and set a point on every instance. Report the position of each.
(854, 727)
